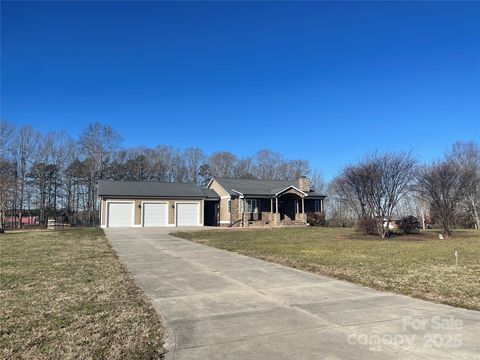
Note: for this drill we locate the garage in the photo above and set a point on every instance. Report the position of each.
(188, 214)
(120, 214)
(152, 204)
(155, 214)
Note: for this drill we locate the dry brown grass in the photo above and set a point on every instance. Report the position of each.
(417, 265)
(65, 295)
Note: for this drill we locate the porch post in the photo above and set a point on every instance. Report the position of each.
(303, 205)
(276, 205)
(271, 205)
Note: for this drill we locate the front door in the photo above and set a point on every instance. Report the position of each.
(288, 206)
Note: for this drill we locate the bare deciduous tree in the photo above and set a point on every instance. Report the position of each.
(97, 143)
(194, 158)
(443, 185)
(222, 164)
(467, 157)
(268, 165)
(374, 187)
(23, 146)
(391, 177)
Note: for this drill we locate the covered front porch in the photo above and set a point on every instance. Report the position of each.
(290, 207)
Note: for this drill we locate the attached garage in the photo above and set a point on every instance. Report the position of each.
(120, 214)
(155, 214)
(188, 214)
(152, 204)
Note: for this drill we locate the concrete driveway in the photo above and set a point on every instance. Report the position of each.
(221, 305)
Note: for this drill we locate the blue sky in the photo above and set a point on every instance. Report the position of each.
(324, 81)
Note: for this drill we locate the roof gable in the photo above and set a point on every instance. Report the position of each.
(252, 186)
(291, 189)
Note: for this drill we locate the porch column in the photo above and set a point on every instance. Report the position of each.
(303, 206)
(276, 205)
(271, 205)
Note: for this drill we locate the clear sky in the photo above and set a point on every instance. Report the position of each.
(324, 81)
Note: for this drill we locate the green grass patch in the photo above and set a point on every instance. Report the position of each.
(417, 265)
(65, 294)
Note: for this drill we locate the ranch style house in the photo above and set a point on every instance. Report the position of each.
(224, 202)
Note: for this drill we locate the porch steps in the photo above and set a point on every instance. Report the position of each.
(293, 223)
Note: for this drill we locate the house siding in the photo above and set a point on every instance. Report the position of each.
(139, 208)
(224, 197)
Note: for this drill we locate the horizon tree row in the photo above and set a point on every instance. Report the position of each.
(374, 189)
(55, 176)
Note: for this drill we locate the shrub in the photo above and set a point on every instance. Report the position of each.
(408, 225)
(367, 226)
(316, 219)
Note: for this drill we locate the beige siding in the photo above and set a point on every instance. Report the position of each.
(171, 212)
(138, 213)
(215, 186)
(224, 214)
(138, 208)
(103, 213)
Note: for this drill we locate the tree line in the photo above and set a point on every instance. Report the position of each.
(55, 176)
(445, 192)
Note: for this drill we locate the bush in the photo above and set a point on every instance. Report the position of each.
(408, 225)
(316, 219)
(367, 226)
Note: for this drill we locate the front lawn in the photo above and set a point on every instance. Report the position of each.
(65, 295)
(417, 265)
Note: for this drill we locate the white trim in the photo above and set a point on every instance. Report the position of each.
(225, 197)
(153, 202)
(256, 206)
(291, 186)
(224, 222)
(210, 183)
(107, 211)
(238, 192)
(187, 202)
(241, 201)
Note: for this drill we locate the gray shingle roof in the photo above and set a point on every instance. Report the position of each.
(259, 187)
(146, 189)
(210, 194)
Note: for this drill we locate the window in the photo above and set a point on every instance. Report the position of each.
(252, 206)
(229, 206)
(317, 206)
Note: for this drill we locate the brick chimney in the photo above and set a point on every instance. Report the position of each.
(304, 184)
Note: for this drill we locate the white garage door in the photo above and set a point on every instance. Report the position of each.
(120, 214)
(155, 214)
(188, 214)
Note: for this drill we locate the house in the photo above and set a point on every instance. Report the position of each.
(397, 221)
(224, 202)
(245, 202)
